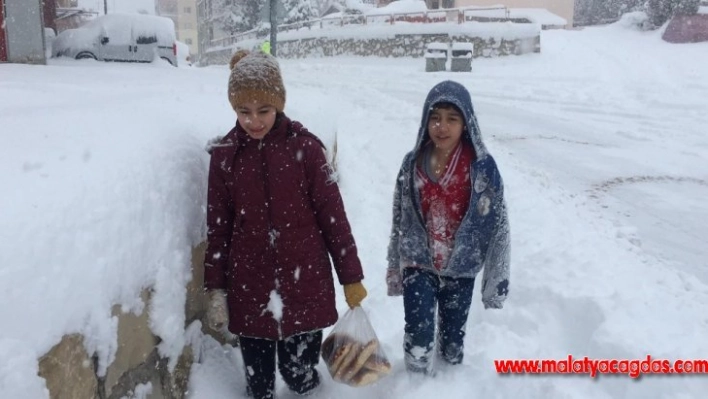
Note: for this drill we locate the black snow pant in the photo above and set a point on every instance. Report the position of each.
(297, 357)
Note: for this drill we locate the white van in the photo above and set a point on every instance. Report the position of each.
(120, 37)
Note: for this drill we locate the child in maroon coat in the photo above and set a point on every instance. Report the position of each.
(275, 217)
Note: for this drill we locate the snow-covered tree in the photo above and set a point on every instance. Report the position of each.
(299, 10)
(591, 12)
(320, 6)
(325, 5)
(660, 11)
(234, 16)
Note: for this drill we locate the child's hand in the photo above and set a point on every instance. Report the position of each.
(394, 281)
(355, 293)
(217, 310)
(492, 304)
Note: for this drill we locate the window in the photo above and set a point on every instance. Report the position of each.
(146, 39)
(187, 10)
(435, 4)
(448, 3)
(188, 41)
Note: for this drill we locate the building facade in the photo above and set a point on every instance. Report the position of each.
(206, 29)
(562, 8)
(187, 29)
(167, 9)
(184, 15)
(68, 15)
(203, 34)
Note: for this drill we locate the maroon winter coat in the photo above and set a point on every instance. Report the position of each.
(274, 216)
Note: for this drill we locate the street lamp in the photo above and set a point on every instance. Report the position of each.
(273, 9)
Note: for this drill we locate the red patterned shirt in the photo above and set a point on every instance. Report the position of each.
(445, 202)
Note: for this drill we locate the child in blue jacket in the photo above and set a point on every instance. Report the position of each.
(449, 222)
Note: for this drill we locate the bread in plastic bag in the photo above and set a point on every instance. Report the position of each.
(352, 351)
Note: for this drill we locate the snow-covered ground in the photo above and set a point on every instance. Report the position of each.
(600, 139)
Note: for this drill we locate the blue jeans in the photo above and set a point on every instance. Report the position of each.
(424, 293)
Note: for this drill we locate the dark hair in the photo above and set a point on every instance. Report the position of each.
(445, 105)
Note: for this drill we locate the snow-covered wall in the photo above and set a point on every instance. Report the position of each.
(409, 40)
(137, 359)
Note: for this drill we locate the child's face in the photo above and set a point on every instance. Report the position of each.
(256, 118)
(445, 126)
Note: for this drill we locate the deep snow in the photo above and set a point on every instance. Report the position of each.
(600, 139)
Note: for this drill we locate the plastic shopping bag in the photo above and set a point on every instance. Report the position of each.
(352, 352)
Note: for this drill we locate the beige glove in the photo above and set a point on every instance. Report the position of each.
(217, 310)
(354, 293)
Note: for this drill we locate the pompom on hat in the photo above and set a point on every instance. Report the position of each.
(255, 77)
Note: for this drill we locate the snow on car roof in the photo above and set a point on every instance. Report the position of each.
(142, 25)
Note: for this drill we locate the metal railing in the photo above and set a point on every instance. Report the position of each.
(452, 15)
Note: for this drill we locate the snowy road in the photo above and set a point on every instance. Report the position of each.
(600, 141)
(605, 160)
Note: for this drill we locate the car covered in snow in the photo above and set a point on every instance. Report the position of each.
(120, 37)
(183, 56)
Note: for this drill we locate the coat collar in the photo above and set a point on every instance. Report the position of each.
(277, 133)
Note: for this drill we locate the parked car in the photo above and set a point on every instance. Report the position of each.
(49, 36)
(183, 56)
(120, 37)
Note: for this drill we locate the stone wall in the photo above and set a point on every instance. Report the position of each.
(70, 372)
(404, 45)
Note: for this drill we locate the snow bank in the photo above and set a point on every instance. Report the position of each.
(108, 178)
(633, 20)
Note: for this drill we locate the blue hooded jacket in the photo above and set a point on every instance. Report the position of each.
(482, 240)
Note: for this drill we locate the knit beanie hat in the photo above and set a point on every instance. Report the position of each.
(255, 77)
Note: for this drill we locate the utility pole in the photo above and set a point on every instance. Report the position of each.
(105, 7)
(273, 27)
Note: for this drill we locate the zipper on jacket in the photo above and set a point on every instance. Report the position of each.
(272, 233)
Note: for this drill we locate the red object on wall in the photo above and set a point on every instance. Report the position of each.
(3, 40)
(687, 29)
